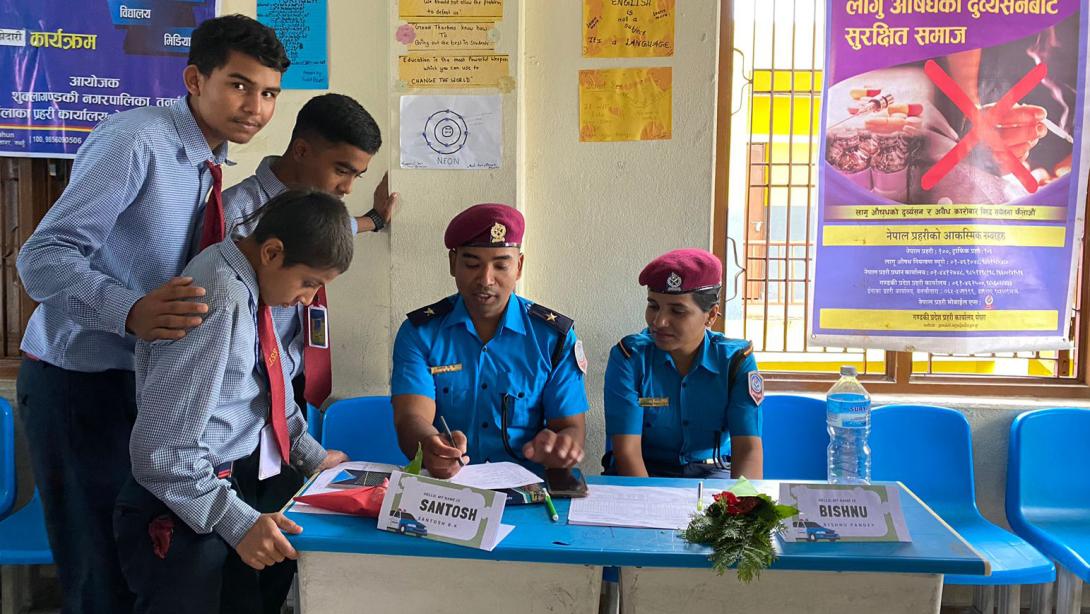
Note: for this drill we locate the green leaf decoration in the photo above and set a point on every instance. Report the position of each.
(417, 463)
(740, 540)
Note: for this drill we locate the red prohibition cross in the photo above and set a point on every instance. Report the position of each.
(984, 125)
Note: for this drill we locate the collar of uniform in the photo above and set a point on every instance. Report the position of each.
(237, 260)
(267, 179)
(707, 356)
(196, 147)
(704, 357)
(512, 316)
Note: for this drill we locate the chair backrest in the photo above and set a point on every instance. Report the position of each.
(363, 428)
(928, 448)
(1047, 463)
(794, 438)
(7, 458)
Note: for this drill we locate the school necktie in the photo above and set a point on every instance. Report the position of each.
(213, 230)
(316, 361)
(266, 336)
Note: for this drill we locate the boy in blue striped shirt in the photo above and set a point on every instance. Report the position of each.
(102, 265)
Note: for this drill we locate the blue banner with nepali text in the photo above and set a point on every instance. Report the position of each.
(67, 65)
(952, 181)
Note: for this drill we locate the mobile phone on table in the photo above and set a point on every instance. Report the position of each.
(566, 483)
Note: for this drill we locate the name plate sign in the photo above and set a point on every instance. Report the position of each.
(443, 511)
(844, 512)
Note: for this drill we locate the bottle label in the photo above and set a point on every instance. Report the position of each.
(849, 415)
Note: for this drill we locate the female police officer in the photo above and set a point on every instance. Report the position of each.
(675, 392)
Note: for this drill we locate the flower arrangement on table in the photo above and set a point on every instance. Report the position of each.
(738, 526)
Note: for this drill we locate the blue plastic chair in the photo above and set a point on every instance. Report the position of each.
(1048, 493)
(314, 421)
(363, 428)
(939, 470)
(23, 540)
(794, 437)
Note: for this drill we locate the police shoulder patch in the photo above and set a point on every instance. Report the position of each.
(756, 386)
(554, 319)
(431, 312)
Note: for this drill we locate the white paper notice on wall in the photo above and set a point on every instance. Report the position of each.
(451, 132)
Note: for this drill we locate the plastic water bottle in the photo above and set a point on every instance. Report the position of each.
(847, 413)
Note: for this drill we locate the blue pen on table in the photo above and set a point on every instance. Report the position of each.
(450, 437)
(549, 507)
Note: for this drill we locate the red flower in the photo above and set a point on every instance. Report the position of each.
(730, 498)
(735, 505)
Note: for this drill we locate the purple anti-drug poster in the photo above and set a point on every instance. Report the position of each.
(951, 176)
(66, 65)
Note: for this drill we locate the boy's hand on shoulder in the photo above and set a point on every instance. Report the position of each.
(264, 544)
(332, 459)
(167, 312)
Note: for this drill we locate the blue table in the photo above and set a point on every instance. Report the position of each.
(330, 543)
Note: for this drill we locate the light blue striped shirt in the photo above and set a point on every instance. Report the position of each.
(241, 201)
(204, 399)
(122, 228)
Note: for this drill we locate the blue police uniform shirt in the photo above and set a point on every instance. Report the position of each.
(441, 357)
(679, 417)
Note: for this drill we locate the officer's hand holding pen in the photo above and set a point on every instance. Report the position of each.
(440, 458)
(554, 450)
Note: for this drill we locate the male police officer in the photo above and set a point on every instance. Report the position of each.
(505, 373)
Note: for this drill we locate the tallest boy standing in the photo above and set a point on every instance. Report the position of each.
(101, 263)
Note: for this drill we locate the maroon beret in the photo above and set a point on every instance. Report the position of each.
(681, 271)
(486, 225)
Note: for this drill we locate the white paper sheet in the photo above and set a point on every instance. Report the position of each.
(451, 132)
(495, 476)
(636, 506)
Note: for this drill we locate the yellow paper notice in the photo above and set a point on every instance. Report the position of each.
(450, 36)
(625, 104)
(452, 71)
(628, 28)
(410, 10)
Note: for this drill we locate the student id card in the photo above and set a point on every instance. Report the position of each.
(317, 327)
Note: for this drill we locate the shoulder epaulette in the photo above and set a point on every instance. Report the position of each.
(738, 359)
(558, 322)
(627, 353)
(429, 313)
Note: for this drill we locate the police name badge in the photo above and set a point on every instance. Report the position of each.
(443, 511)
(580, 356)
(654, 401)
(454, 368)
(756, 386)
(317, 327)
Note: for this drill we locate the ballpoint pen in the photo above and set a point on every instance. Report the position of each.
(450, 437)
(700, 496)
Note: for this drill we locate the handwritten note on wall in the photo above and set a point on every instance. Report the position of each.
(301, 25)
(413, 10)
(454, 36)
(628, 28)
(625, 104)
(453, 71)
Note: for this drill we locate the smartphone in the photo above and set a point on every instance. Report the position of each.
(566, 483)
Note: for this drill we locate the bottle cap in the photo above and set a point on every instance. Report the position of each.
(848, 370)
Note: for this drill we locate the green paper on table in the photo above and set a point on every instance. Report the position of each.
(414, 467)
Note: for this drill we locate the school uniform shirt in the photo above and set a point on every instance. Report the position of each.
(204, 399)
(682, 419)
(240, 201)
(479, 387)
(121, 228)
